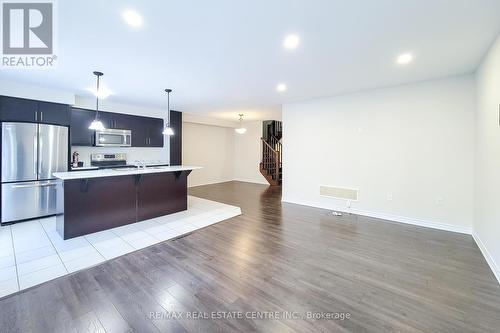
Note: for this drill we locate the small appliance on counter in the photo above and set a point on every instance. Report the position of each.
(74, 160)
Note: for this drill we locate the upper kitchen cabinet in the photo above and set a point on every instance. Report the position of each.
(154, 127)
(52, 113)
(116, 120)
(18, 109)
(123, 121)
(25, 110)
(80, 133)
(146, 131)
(140, 137)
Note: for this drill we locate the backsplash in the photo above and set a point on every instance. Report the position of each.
(150, 155)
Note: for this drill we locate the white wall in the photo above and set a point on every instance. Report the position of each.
(223, 154)
(247, 154)
(211, 147)
(21, 90)
(487, 171)
(413, 142)
(201, 119)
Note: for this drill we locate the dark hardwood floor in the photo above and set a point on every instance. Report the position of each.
(386, 277)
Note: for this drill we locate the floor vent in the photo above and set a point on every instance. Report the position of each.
(338, 193)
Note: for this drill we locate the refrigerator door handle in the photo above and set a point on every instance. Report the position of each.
(35, 154)
(40, 157)
(41, 196)
(34, 185)
(52, 150)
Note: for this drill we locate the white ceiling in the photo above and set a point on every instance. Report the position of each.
(223, 57)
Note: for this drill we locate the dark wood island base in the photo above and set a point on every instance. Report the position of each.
(96, 204)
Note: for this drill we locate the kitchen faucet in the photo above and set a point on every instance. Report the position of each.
(141, 163)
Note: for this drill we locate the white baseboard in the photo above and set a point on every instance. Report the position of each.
(489, 258)
(230, 180)
(210, 183)
(387, 216)
(495, 268)
(253, 181)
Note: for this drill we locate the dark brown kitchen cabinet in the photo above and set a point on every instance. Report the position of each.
(139, 133)
(146, 131)
(97, 198)
(26, 110)
(80, 133)
(123, 121)
(161, 194)
(176, 139)
(116, 120)
(106, 118)
(18, 109)
(96, 204)
(53, 113)
(154, 128)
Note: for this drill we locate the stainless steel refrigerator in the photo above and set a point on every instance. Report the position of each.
(31, 153)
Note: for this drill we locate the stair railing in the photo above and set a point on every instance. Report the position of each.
(276, 145)
(271, 157)
(278, 126)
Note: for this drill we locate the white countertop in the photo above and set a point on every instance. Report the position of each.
(156, 163)
(83, 168)
(117, 172)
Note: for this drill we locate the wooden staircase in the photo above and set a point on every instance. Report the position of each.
(271, 166)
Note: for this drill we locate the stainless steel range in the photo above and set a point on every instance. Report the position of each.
(104, 161)
(31, 153)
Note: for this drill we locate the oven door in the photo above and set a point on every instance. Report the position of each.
(113, 138)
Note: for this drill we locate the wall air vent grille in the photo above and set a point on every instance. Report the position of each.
(339, 193)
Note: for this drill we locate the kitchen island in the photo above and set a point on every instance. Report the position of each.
(98, 200)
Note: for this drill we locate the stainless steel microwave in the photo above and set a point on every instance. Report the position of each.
(113, 138)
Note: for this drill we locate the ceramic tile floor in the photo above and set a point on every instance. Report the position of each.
(33, 252)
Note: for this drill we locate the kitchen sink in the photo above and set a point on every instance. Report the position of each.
(157, 167)
(124, 169)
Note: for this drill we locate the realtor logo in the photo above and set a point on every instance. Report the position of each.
(28, 29)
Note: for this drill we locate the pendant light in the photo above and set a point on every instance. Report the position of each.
(241, 129)
(96, 123)
(168, 130)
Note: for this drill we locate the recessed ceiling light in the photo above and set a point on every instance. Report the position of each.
(132, 18)
(281, 87)
(404, 58)
(291, 42)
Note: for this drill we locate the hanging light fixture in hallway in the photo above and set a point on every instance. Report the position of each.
(241, 129)
(96, 124)
(168, 130)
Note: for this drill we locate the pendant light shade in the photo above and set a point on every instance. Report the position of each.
(241, 129)
(96, 124)
(168, 130)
